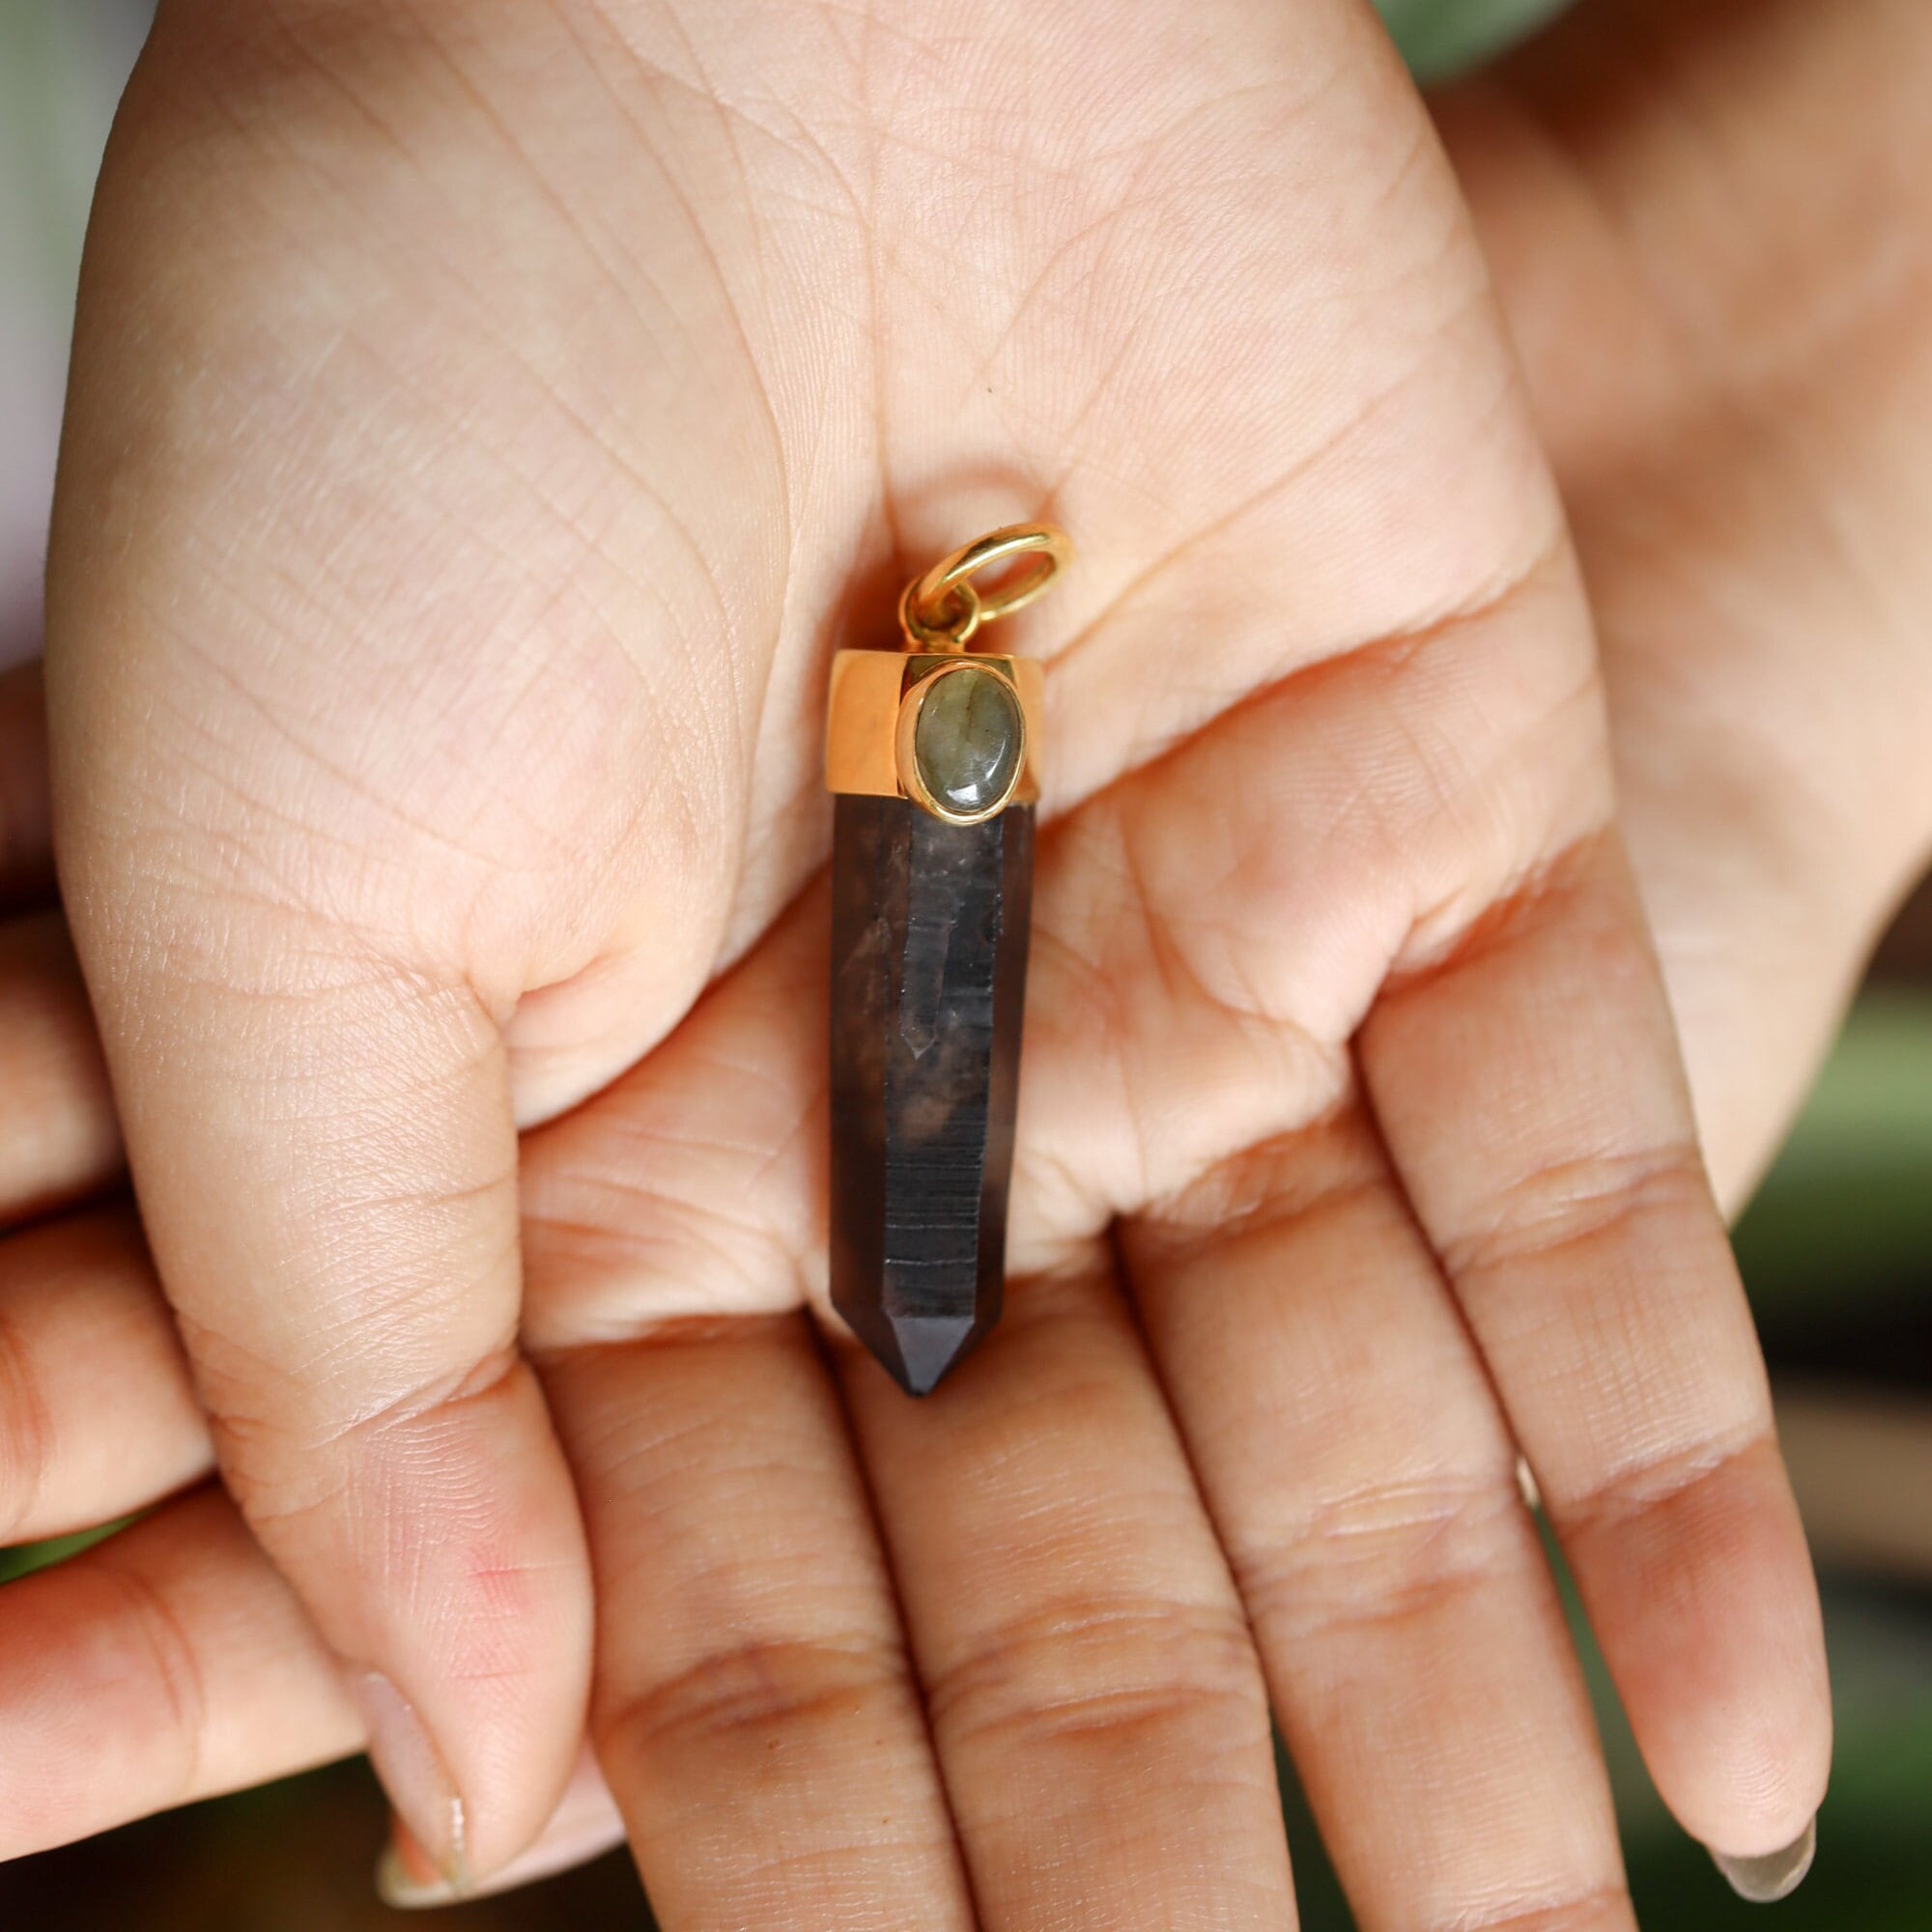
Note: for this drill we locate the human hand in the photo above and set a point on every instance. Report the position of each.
(1711, 232)
(1085, 900)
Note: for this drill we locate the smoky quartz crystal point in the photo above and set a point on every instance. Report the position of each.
(929, 977)
(932, 755)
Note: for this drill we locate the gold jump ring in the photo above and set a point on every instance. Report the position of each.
(932, 628)
(927, 596)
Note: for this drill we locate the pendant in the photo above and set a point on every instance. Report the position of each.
(933, 758)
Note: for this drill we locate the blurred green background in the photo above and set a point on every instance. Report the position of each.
(1836, 1250)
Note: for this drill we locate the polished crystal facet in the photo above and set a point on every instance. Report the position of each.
(929, 978)
(969, 739)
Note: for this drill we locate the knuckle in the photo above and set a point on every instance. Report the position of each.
(1109, 1666)
(1570, 1209)
(1597, 1910)
(643, 1258)
(1663, 1483)
(1328, 1171)
(497, 1373)
(26, 1436)
(757, 1688)
(287, 1462)
(157, 1639)
(1399, 1551)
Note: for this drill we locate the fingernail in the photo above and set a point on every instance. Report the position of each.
(406, 1879)
(1764, 1881)
(406, 1876)
(419, 1787)
(1525, 1484)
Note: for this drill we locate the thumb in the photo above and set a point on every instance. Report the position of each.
(315, 1098)
(326, 1158)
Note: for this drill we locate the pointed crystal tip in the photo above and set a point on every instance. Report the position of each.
(917, 1350)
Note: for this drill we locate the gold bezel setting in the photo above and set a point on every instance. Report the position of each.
(869, 692)
(911, 783)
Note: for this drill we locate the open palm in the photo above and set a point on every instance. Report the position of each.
(442, 594)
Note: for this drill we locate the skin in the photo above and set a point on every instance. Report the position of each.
(1724, 330)
(1108, 1535)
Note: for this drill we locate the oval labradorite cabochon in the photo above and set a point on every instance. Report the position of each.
(969, 739)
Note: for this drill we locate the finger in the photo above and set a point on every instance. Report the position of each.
(755, 1712)
(1093, 1692)
(26, 834)
(98, 1415)
(1533, 1106)
(326, 1157)
(166, 1665)
(172, 1664)
(58, 1137)
(1364, 1487)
